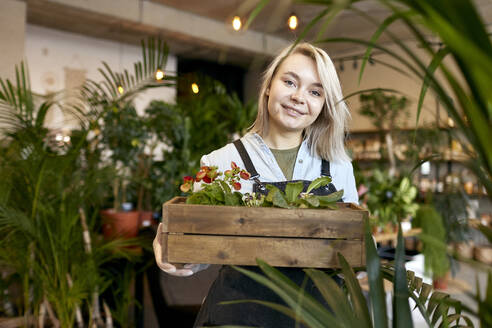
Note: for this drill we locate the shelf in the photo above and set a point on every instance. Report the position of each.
(394, 235)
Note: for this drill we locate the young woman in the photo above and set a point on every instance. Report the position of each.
(298, 135)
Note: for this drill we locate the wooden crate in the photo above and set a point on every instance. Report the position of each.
(281, 237)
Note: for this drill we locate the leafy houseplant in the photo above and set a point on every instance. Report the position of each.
(121, 132)
(384, 111)
(389, 199)
(196, 125)
(217, 191)
(50, 196)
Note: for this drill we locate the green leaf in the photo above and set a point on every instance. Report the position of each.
(215, 191)
(312, 200)
(358, 300)
(231, 200)
(199, 197)
(278, 199)
(376, 290)
(402, 316)
(292, 190)
(225, 186)
(334, 296)
(272, 189)
(331, 198)
(317, 183)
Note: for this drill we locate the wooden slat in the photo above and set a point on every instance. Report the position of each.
(347, 222)
(289, 252)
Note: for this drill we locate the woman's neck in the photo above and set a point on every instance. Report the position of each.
(282, 140)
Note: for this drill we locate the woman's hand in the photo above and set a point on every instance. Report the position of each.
(187, 270)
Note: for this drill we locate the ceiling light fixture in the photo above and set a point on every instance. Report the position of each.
(293, 21)
(159, 74)
(236, 23)
(194, 88)
(120, 89)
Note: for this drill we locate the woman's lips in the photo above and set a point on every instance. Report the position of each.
(292, 111)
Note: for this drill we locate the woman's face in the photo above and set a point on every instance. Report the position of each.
(295, 96)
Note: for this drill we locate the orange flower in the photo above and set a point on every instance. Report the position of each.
(236, 185)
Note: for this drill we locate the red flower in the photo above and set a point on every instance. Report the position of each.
(244, 175)
(234, 165)
(236, 185)
(187, 178)
(207, 179)
(200, 175)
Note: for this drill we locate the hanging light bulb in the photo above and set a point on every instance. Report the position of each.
(66, 139)
(236, 23)
(292, 22)
(120, 89)
(194, 88)
(159, 74)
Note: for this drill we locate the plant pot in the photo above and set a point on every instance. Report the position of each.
(441, 282)
(120, 224)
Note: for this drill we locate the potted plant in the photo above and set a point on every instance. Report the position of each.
(122, 133)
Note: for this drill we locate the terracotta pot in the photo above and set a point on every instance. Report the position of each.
(120, 224)
(441, 282)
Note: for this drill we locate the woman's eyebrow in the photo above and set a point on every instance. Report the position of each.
(295, 76)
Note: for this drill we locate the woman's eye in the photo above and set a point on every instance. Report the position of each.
(316, 93)
(289, 82)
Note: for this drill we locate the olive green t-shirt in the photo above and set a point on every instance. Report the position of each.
(286, 159)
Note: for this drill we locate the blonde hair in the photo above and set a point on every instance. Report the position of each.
(326, 134)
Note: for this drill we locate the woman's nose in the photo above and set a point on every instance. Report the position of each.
(297, 96)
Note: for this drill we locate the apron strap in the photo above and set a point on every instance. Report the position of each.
(246, 159)
(325, 168)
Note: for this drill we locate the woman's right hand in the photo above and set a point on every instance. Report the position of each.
(187, 270)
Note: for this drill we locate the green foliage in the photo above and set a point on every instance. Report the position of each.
(383, 110)
(390, 199)
(434, 240)
(117, 127)
(193, 127)
(293, 197)
(51, 193)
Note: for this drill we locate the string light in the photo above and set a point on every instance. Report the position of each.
(236, 23)
(194, 88)
(292, 22)
(120, 89)
(159, 74)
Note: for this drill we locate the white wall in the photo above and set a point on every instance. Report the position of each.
(54, 55)
(380, 76)
(12, 24)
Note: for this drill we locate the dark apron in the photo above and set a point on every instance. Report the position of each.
(231, 285)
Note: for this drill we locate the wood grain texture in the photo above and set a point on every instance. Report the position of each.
(346, 222)
(282, 252)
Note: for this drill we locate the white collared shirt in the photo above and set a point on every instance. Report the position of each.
(306, 167)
